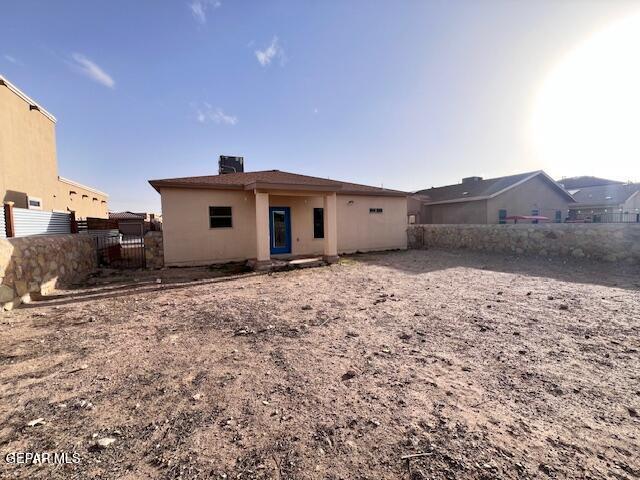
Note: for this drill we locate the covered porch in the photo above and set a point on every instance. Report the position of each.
(295, 223)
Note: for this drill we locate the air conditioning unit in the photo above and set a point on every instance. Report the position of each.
(229, 164)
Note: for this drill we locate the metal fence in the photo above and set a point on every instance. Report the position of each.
(116, 247)
(631, 217)
(120, 251)
(35, 222)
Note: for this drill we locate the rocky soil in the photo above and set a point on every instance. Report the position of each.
(480, 366)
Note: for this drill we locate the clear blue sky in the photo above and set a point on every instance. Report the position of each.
(408, 94)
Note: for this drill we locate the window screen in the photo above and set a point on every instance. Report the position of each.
(318, 223)
(220, 217)
(502, 216)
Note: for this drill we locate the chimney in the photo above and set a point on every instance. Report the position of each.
(471, 179)
(228, 164)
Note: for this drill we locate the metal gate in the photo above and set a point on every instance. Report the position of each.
(116, 250)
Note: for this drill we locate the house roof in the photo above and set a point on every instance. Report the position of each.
(605, 195)
(573, 183)
(272, 179)
(480, 189)
(126, 216)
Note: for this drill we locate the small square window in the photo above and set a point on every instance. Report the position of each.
(220, 217)
(318, 223)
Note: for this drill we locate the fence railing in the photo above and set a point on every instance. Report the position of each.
(628, 217)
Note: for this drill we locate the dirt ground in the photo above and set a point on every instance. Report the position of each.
(488, 366)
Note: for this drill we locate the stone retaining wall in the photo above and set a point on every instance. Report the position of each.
(612, 242)
(153, 250)
(38, 264)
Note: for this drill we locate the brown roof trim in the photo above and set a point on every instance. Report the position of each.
(380, 193)
(249, 182)
(290, 186)
(158, 184)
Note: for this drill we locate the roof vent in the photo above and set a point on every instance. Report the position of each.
(228, 164)
(471, 179)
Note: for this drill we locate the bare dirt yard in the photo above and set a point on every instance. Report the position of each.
(488, 366)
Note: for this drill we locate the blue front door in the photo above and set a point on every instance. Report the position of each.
(280, 229)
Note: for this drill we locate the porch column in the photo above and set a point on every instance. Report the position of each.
(330, 228)
(262, 229)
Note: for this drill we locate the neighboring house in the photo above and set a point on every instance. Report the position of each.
(28, 163)
(477, 200)
(256, 215)
(414, 208)
(129, 223)
(607, 203)
(573, 183)
(145, 216)
(136, 223)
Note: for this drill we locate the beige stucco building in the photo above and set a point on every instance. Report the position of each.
(479, 201)
(260, 215)
(28, 163)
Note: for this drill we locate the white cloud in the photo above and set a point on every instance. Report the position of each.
(206, 113)
(274, 50)
(85, 66)
(199, 8)
(11, 59)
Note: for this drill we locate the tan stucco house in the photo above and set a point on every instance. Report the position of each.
(259, 215)
(28, 163)
(479, 201)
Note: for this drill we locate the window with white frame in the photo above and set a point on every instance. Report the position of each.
(34, 203)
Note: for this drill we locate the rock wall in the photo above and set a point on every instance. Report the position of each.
(38, 264)
(612, 242)
(154, 250)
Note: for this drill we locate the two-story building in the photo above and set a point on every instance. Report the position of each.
(28, 162)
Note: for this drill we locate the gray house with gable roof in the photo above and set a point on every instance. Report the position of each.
(479, 201)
